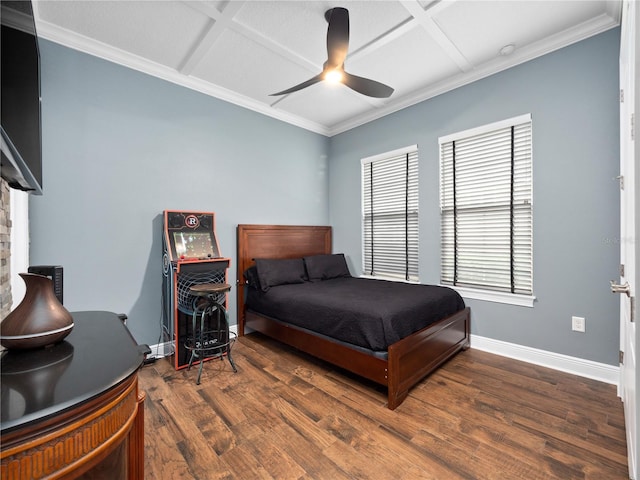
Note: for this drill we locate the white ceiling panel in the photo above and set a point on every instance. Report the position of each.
(241, 51)
(500, 23)
(226, 63)
(131, 26)
(427, 64)
(371, 21)
(295, 26)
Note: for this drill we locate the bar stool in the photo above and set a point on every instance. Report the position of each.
(212, 338)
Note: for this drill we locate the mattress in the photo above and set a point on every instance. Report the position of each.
(369, 313)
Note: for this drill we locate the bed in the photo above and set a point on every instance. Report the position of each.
(399, 364)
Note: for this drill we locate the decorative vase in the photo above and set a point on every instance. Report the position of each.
(39, 320)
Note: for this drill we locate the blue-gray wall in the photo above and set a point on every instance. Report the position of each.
(572, 95)
(119, 147)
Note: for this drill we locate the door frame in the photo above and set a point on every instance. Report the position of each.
(629, 226)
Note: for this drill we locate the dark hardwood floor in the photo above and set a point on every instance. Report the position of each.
(285, 415)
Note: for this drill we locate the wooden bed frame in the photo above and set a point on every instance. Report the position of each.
(409, 360)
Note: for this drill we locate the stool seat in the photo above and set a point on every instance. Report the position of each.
(204, 289)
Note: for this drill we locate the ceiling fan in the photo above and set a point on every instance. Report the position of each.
(333, 68)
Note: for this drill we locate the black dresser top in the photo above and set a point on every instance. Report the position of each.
(97, 355)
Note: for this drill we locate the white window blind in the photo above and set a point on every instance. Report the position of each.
(390, 214)
(486, 207)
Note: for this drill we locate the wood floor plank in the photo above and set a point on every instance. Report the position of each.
(275, 457)
(165, 459)
(286, 415)
(303, 425)
(358, 466)
(593, 469)
(244, 463)
(476, 427)
(582, 447)
(316, 464)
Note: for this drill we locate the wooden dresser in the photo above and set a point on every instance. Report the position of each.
(73, 410)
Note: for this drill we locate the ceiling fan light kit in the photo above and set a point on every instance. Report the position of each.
(333, 76)
(333, 68)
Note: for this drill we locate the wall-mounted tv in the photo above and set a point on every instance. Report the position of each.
(21, 147)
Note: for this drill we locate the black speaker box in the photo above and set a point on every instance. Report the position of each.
(54, 272)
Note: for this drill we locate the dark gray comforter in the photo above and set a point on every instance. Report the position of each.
(369, 313)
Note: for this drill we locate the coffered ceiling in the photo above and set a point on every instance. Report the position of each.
(242, 51)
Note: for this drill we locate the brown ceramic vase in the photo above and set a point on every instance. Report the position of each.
(39, 320)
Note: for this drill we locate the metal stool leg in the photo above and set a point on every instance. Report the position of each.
(193, 334)
(228, 348)
(206, 311)
(202, 317)
(197, 338)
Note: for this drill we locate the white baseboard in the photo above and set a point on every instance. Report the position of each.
(165, 349)
(577, 366)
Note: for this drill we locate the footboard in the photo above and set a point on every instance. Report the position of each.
(355, 361)
(413, 358)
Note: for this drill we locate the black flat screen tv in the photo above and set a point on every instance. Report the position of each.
(21, 159)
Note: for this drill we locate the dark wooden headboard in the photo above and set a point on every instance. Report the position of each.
(275, 241)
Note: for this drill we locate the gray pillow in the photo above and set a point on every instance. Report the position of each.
(280, 271)
(325, 267)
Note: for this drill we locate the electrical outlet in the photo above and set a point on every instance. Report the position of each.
(578, 324)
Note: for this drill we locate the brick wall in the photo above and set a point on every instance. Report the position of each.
(5, 250)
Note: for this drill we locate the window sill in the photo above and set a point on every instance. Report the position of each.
(388, 279)
(498, 297)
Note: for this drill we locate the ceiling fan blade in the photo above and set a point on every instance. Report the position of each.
(337, 48)
(365, 86)
(311, 81)
(337, 37)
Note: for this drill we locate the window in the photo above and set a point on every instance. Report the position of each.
(486, 208)
(390, 214)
